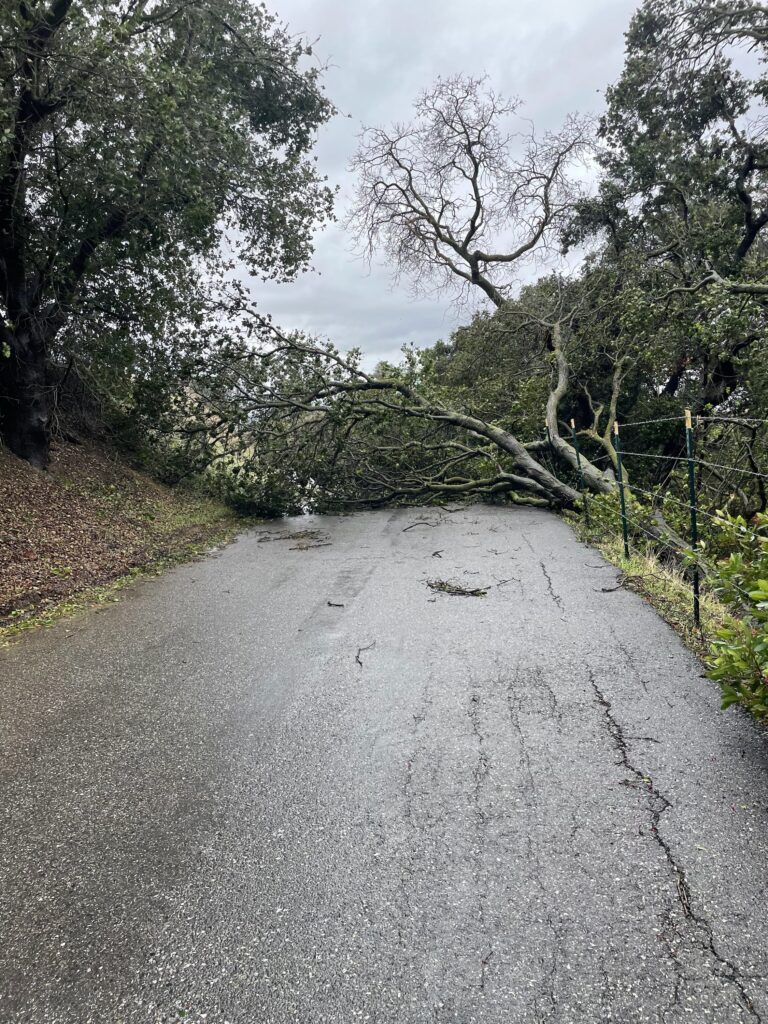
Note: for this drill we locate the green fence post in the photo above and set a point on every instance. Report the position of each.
(575, 437)
(617, 446)
(694, 514)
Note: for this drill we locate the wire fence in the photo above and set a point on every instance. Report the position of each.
(686, 546)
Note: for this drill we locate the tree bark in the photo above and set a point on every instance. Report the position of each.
(25, 402)
(595, 479)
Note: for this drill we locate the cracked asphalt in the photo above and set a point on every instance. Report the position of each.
(292, 783)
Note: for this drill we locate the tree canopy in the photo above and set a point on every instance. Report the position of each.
(134, 136)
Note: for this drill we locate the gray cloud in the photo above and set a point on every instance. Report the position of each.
(557, 55)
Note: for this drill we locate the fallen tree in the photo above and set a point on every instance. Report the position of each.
(462, 198)
(275, 395)
(454, 199)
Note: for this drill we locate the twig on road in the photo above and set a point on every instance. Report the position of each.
(360, 650)
(270, 536)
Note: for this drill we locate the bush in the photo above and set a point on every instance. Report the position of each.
(255, 491)
(739, 659)
(605, 518)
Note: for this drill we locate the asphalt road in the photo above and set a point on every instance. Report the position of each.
(291, 783)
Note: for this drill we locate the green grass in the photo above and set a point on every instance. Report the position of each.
(669, 592)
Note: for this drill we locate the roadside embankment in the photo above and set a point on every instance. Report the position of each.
(71, 536)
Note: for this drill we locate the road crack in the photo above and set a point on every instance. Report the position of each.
(482, 768)
(658, 805)
(480, 773)
(550, 588)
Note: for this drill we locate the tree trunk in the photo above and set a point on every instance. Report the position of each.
(543, 482)
(25, 409)
(594, 478)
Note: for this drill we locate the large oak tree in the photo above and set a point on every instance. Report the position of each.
(134, 135)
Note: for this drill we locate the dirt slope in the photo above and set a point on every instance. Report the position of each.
(88, 521)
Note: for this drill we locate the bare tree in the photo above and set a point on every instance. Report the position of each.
(458, 199)
(461, 198)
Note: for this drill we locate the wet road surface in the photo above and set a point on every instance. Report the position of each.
(292, 783)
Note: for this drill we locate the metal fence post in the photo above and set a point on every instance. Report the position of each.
(575, 437)
(620, 474)
(689, 443)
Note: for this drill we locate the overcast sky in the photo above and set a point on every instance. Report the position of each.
(557, 55)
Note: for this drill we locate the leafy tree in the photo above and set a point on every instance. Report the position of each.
(135, 135)
(685, 192)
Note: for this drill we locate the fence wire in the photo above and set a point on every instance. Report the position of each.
(698, 564)
(696, 462)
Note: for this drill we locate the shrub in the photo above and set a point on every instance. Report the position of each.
(605, 518)
(739, 659)
(255, 491)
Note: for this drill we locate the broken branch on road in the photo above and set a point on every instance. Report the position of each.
(455, 589)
